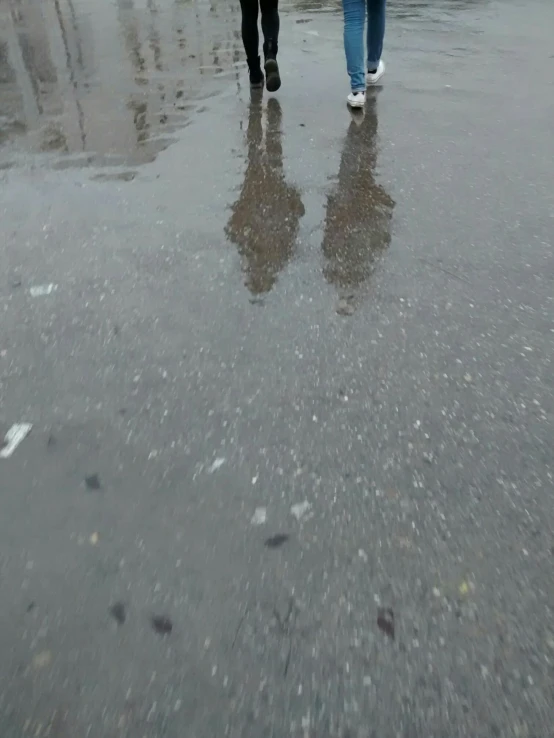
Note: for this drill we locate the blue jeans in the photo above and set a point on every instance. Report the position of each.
(354, 21)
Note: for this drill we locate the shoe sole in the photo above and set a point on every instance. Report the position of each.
(272, 77)
(356, 105)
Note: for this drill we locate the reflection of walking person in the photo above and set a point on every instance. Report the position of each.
(250, 39)
(265, 218)
(359, 211)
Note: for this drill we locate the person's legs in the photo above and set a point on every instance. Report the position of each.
(249, 28)
(354, 17)
(250, 39)
(375, 32)
(270, 29)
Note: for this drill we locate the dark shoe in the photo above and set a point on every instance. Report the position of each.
(256, 74)
(272, 76)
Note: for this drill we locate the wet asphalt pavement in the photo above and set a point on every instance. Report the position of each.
(289, 373)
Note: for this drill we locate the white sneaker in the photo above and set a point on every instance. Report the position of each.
(356, 99)
(373, 77)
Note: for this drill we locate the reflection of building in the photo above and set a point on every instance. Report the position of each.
(27, 77)
(112, 77)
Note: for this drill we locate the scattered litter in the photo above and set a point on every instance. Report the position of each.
(118, 613)
(463, 588)
(385, 621)
(468, 377)
(218, 463)
(13, 438)
(161, 624)
(260, 516)
(94, 539)
(41, 290)
(301, 510)
(362, 554)
(276, 541)
(42, 660)
(93, 482)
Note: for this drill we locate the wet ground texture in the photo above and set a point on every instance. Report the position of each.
(289, 375)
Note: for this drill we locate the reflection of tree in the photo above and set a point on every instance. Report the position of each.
(265, 218)
(359, 211)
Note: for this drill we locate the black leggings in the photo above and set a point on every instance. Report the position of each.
(270, 27)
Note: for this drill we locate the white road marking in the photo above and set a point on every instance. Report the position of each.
(301, 510)
(218, 463)
(13, 438)
(40, 290)
(260, 516)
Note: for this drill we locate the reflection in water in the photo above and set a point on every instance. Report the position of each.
(359, 211)
(72, 67)
(113, 79)
(265, 219)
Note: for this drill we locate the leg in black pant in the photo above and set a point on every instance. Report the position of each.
(249, 29)
(250, 39)
(270, 27)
